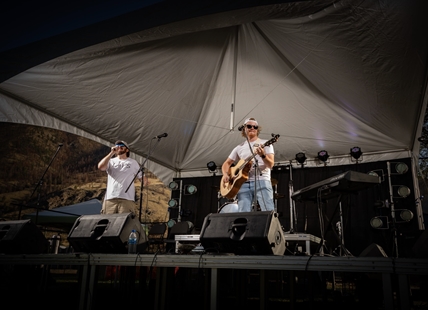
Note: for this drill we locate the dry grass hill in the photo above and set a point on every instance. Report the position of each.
(38, 172)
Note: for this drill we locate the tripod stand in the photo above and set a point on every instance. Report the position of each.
(343, 251)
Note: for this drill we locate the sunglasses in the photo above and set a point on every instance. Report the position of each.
(252, 126)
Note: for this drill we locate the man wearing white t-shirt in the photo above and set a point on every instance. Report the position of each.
(258, 181)
(121, 171)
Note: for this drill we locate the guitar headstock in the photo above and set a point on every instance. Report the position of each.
(272, 141)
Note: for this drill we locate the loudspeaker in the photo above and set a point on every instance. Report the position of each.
(105, 233)
(243, 233)
(373, 250)
(22, 237)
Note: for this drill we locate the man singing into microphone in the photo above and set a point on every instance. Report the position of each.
(121, 171)
(265, 159)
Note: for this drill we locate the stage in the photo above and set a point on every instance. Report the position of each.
(212, 281)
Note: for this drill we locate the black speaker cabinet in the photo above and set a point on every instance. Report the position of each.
(22, 237)
(373, 250)
(105, 233)
(243, 233)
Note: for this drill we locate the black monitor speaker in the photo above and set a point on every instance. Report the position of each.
(373, 250)
(243, 233)
(106, 233)
(22, 237)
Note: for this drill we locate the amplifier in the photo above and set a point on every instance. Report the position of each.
(189, 238)
(185, 243)
(307, 239)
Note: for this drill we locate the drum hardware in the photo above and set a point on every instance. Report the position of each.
(229, 207)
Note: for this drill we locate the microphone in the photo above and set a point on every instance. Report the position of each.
(161, 136)
(241, 127)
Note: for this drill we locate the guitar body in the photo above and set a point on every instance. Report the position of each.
(236, 178)
(239, 173)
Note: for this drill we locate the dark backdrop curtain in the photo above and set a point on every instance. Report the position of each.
(358, 207)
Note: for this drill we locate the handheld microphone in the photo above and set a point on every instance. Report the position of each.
(161, 136)
(241, 127)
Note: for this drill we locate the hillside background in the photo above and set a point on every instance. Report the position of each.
(26, 182)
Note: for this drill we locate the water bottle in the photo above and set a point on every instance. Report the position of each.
(132, 242)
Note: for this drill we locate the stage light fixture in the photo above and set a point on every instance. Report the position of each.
(405, 215)
(377, 173)
(212, 166)
(301, 158)
(171, 223)
(190, 189)
(379, 222)
(402, 191)
(401, 168)
(373, 173)
(356, 152)
(172, 203)
(323, 155)
(379, 204)
(173, 185)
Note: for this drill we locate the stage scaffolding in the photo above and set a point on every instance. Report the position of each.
(394, 272)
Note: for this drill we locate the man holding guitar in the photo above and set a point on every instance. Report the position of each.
(243, 180)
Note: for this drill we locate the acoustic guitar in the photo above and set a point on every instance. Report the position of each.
(239, 173)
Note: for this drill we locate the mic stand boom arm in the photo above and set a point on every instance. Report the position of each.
(40, 183)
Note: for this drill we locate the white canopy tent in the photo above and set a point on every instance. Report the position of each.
(324, 75)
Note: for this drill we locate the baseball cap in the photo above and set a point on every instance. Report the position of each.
(252, 120)
(122, 143)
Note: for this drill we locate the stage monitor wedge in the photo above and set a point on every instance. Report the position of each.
(22, 237)
(105, 233)
(243, 233)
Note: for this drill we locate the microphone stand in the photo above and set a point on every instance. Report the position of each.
(40, 182)
(142, 177)
(292, 206)
(256, 169)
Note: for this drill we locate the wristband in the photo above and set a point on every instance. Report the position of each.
(263, 156)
